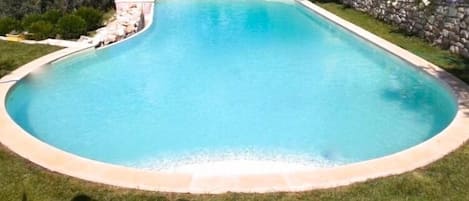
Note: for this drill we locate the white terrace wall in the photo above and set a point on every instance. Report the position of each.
(444, 23)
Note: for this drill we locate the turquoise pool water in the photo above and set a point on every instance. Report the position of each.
(216, 80)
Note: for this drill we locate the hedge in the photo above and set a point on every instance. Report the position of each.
(8, 24)
(71, 26)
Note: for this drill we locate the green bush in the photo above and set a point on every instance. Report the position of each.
(52, 16)
(71, 26)
(8, 25)
(20, 8)
(93, 17)
(41, 30)
(30, 19)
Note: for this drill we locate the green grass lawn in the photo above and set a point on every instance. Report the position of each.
(446, 179)
(13, 55)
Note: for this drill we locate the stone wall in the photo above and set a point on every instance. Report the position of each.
(131, 17)
(444, 23)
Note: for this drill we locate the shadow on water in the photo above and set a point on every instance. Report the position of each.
(415, 104)
(415, 99)
(459, 86)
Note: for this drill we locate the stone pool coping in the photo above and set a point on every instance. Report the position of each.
(24, 144)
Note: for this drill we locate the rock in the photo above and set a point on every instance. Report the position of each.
(428, 34)
(456, 28)
(110, 38)
(127, 22)
(454, 50)
(431, 19)
(453, 36)
(464, 52)
(421, 34)
(464, 34)
(129, 29)
(440, 10)
(397, 19)
(452, 12)
(448, 25)
(418, 26)
(445, 33)
(445, 43)
(120, 31)
(463, 25)
(428, 27)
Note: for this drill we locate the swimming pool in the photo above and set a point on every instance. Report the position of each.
(215, 81)
(233, 80)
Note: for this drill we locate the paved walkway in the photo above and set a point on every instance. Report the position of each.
(54, 42)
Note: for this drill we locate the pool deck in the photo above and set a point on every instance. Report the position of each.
(24, 144)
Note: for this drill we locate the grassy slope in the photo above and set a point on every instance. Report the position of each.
(14, 54)
(447, 179)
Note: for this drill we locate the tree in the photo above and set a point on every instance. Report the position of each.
(71, 26)
(19, 8)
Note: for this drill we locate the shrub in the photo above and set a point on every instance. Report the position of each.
(8, 25)
(93, 17)
(20, 8)
(71, 26)
(30, 19)
(52, 16)
(41, 30)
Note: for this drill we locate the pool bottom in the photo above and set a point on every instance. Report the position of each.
(234, 162)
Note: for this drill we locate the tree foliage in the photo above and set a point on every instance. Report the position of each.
(71, 26)
(52, 16)
(45, 18)
(30, 19)
(8, 24)
(19, 8)
(93, 17)
(41, 30)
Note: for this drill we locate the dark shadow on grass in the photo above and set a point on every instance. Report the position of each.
(461, 68)
(82, 197)
(403, 32)
(159, 198)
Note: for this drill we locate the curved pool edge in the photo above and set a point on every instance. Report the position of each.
(54, 159)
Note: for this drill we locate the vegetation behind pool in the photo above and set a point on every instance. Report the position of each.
(49, 19)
